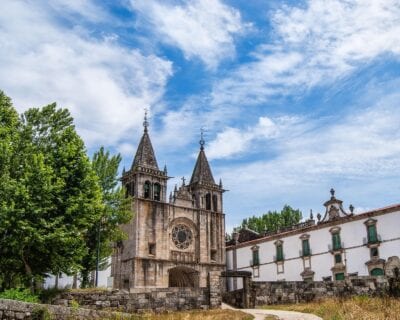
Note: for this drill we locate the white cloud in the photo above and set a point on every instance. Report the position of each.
(359, 154)
(312, 45)
(233, 141)
(204, 29)
(106, 86)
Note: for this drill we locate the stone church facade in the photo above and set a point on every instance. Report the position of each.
(174, 241)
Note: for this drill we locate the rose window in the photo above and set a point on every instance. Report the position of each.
(181, 236)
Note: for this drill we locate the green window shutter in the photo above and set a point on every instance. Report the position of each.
(372, 237)
(279, 252)
(377, 272)
(338, 258)
(336, 241)
(306, 247)
(256, 260)
(339, 276)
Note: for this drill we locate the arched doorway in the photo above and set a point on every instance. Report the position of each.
(183, 277)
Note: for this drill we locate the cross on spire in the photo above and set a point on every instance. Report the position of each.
(183, 181)
(202, 142)
(145, 122)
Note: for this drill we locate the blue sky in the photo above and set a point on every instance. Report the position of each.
(296, 97)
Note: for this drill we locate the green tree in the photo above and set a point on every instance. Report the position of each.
(273, 220)
(117, 210)
(10, 264)
(50, 196)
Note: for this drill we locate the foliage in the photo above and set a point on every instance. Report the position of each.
(47, 295)
(20, 294)
(40, 313)
(273, 220)
(358, 307)
(116, 211)
(49, 194)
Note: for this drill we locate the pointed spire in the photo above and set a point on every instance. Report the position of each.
(202, 171)
(145, 154)
(220, 183)
(165, 169)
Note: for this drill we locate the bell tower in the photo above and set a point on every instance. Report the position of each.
(207, 198)
(145, 180)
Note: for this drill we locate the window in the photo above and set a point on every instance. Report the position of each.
(157, 192)
(208, 201)
(374, 252)
(306, 247)
(339, 276)
(256, 258)
(372, 236)
(338, 258)
(215, 202)
(213, 255)
(336, 245)
(377, 272)
(146, 189)
(279, 252)
(152, 249)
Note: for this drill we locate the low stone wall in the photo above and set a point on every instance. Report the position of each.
(141, 300)
(233, 298)
(299, 291)
(18, 310)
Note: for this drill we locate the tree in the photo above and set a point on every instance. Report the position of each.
(273, 220)
(116, 211)
(50, 195)
(10, 264)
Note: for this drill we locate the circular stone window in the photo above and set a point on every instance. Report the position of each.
(181, 236)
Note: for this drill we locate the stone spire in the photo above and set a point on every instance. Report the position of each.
(145, 154)
(202, 171)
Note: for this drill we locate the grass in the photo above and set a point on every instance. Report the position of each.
(357, 308)
(201, 315)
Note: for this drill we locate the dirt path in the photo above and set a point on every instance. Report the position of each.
(260, 314)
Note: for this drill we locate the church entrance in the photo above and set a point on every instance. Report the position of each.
(183, 277)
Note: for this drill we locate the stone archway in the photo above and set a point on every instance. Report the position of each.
(183, 277)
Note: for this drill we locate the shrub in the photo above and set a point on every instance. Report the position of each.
(20, 294)
(40, 313)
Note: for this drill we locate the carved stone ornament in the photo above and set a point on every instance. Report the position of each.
(182, 236)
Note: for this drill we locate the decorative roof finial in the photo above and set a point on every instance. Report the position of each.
(183, 181)
(332, 192)
(351, 207)
(145, 122)
(202, 142)
(311, 215)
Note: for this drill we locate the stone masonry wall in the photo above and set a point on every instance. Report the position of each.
(302, 291)
(18, 310)
(264, 293)
(142, 300)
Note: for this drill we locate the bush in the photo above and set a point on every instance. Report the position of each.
(48, 295)
(20, 294)
(41, 313)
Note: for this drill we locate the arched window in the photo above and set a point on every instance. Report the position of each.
(215, 202)
(208, 201)
(377, 272)
(157, 192)
(146, 189)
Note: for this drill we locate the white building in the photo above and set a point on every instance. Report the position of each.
(336, 246)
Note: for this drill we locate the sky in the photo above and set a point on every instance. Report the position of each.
(295, 97)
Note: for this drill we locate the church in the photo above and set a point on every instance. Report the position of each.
(173, 241)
